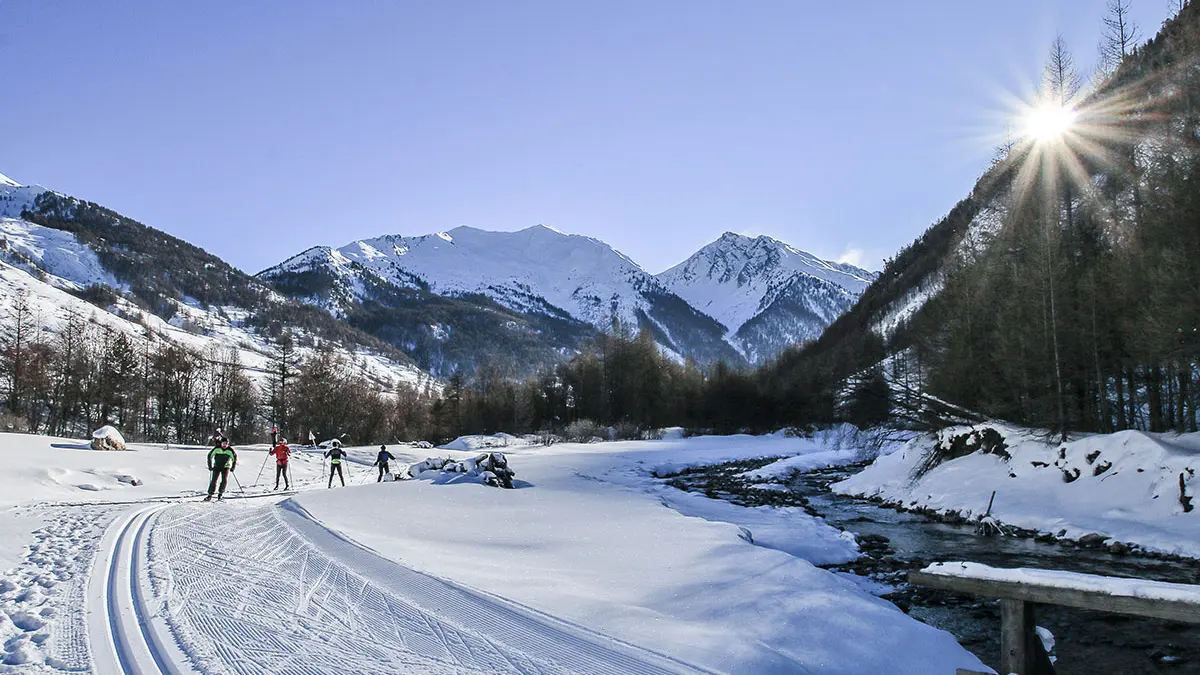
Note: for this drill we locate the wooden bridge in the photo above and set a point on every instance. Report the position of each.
(1021, 650)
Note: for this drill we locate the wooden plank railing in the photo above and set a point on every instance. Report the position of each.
(1020, 649)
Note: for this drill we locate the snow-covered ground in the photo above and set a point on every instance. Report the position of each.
(1125, 486)
(591, 565)
(596, 540)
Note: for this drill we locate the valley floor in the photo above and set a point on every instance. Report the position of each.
(591, 566)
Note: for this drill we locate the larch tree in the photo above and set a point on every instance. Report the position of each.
(1120, 35)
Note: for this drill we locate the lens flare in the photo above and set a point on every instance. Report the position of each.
(1049, 122)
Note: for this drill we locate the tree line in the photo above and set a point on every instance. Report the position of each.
(85, 374)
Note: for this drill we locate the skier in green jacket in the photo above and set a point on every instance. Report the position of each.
(221, 460)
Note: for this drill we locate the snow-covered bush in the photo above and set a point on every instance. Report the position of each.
(624, 431)
(583, 431)
(107, 438)
(491, 468)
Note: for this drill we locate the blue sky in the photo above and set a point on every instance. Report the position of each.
(258, 129)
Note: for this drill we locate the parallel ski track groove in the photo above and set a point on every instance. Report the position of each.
(139, 601)
(131, 644)
(116, 630)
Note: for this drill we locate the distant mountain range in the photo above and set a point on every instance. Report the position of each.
(738, 299)
(460, 299)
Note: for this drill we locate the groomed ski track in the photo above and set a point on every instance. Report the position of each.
(257, 588)
(126, 637)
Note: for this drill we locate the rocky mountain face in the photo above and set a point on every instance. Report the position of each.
(767, 294)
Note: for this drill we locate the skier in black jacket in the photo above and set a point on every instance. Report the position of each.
(335, 455)
(221, 460)
(382, 462)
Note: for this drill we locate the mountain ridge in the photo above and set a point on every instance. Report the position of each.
(457, 299)
(542, 270)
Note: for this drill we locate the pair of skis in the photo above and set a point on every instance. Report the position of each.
(253, 495)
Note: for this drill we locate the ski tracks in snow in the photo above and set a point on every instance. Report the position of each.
(128, 634)
(262, 589)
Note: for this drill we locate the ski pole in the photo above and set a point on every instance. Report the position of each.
(260, 469)
(239, 483)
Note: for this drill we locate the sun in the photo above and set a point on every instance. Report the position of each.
(1048, 121)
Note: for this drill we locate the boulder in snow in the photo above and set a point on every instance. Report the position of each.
(489, 468)
(107, 438)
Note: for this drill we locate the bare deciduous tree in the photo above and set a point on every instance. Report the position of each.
(1061, 83)
(1120, 35)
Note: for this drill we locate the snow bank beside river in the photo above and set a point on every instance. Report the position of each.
(1130, 486)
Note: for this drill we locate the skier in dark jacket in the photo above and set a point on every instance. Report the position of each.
(216, 438)
(335, 455)
(382, 462)
(221, 460)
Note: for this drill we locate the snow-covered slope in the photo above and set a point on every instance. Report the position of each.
(15, 198)
(537, 270)
(35, 248)
(1129, 486)
(766, 293)
(48, 267)
(200, 330)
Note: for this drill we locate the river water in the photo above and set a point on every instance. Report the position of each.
(1087, 643)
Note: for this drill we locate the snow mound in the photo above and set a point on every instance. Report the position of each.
(784, 468)
(500, 440)
(490, 468)
(107, 438)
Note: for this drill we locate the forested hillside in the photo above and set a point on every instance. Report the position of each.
(108, 321)
(1064, 291)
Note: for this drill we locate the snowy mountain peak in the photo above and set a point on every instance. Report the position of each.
(740, 258)
(6, 181)
(534, 269)
(767, 293)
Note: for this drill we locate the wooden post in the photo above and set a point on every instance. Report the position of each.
(1016, 629)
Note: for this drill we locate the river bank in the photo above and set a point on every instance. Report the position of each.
(896, 539)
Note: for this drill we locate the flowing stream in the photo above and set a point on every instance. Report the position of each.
(894, 542)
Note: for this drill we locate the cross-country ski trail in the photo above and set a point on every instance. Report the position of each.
(265, 589)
